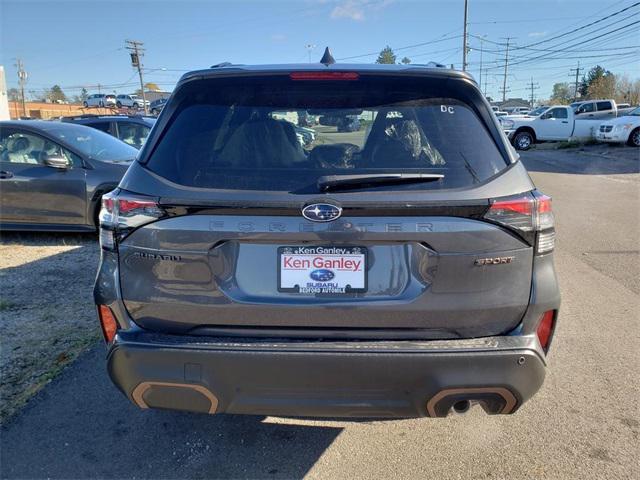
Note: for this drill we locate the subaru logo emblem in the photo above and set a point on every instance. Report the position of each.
(321, 212)
(322, 275)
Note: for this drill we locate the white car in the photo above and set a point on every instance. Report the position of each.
(621, 130)
(497, 112)
(130, 101)
(100, 100)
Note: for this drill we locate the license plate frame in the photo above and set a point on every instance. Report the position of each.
(331, 252)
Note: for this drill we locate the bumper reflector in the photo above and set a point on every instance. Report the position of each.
(107, 323)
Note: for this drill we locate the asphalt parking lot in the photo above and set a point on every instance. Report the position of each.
(583, 424)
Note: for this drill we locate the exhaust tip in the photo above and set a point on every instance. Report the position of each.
(493, 400)
(462, 406)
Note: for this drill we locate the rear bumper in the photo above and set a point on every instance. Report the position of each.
(335, 379)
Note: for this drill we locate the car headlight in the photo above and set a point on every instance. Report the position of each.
(508, 124)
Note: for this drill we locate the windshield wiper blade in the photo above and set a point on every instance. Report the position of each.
(337, 182)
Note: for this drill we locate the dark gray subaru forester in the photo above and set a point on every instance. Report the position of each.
(257, 258)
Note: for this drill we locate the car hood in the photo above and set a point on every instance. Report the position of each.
(623, 120)
(517, 120)
(518, 116)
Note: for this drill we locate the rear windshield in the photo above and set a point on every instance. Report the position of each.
(279, 134)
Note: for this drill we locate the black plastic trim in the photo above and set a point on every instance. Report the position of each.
(177, 207)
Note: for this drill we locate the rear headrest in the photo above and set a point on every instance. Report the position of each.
(407, 134)
(338, 155)
(18, 144)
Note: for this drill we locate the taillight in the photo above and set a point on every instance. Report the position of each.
(324, 76)
(545, 329)
(529, 215)
(108, 323)
(122, 212)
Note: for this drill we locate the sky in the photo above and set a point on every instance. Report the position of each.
(78, 44)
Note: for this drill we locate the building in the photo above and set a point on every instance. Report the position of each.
(4, 100)
(152, 95)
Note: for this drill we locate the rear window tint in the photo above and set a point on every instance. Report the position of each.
(278, 134)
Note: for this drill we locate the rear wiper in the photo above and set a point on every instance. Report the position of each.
(337, 182)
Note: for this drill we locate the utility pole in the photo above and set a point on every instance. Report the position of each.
(481, 49)
(506, 66)
(136, 51)
(464, 37)
(577, 70)
(485, 81)
(533, 86)
(22, 79)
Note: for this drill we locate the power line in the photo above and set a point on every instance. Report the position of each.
(435, 52)
(579, 28)
(495, 52)
(442, 38)
(582, 42)
(546, 56)
(565, 49)
(528, 20)
(579, 43)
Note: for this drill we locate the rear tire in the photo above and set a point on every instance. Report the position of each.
(118, 104)
(85, 104)
(523, 141)
(634, 138)
(135, 105)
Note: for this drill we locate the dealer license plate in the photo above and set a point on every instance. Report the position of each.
(315, 270)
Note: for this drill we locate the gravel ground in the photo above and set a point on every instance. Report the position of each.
(46, 311)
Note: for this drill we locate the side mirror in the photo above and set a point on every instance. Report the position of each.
(546, 116)
(56, 162)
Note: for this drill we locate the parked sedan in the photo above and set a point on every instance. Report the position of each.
(621, 130)
(53, 174)
(131, 129)
(130, 101)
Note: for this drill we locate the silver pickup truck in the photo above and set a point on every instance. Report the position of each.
(598, 109)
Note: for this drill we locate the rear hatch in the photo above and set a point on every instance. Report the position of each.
(254, 210)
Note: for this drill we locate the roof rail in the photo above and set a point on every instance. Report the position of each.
(99, 115)
(221, 65)
(430, 65)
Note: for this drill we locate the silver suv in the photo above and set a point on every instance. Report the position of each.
(100, 100)
(401, 268)
(131, 101)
